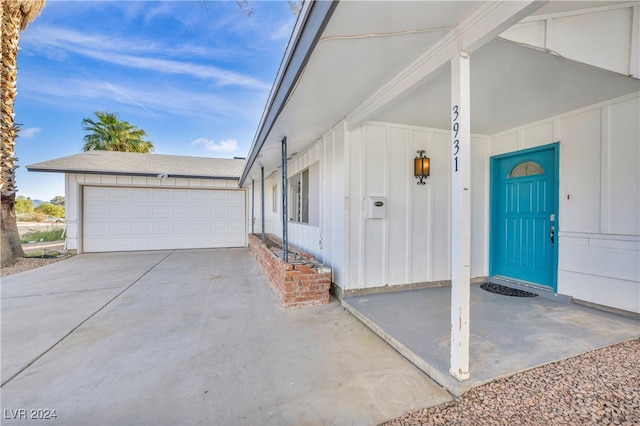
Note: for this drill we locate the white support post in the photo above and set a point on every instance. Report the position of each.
(460, 215)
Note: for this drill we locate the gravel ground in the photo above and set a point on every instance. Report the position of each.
(27, 263)
(599, 387)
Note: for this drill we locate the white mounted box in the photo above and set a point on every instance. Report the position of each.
(376, 208)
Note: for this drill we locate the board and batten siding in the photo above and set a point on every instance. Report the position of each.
(598, 217)
(75, 181)
(599, 209)
(412, 243)
(571, 34)
(323, 236)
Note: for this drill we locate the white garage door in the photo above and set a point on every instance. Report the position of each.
(123, 219)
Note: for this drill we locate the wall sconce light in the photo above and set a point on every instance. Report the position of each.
(421, 167)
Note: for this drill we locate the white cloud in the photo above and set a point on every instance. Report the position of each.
(229, 145)
(64, 92)
(138, 54)
(30, 132)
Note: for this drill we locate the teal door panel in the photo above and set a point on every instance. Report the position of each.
(524, 215)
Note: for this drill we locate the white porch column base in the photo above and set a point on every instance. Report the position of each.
(460, 215)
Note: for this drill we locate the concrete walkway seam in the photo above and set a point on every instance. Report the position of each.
(29, 364)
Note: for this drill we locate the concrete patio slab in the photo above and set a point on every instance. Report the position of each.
(199, 339)
(508, 334)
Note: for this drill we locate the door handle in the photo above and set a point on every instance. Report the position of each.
(552, 235)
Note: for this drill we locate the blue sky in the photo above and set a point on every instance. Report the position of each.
(195, 75)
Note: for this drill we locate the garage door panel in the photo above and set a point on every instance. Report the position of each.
(161, 195)
(235, 226)
(140, 194)
(138, 227)
(121, 219)
(140, 210)
(200, 211)
(234, 211)
(199, 196)
(140, 241)
(119, 226)
(217, 211)
(234, 240)
(180, 211)
(161, 210)
(97, 210)
(180, 195)
(217, 196)
(237, 197)
(181, 226)
(199, 225)
(119, 210)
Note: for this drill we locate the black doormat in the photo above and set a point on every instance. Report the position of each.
(505, 291)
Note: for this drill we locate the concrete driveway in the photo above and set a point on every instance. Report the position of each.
(189, 337)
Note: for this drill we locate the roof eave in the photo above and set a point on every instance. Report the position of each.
(124, 173)
(309, 28)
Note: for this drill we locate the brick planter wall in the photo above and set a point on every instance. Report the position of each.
(297, 283)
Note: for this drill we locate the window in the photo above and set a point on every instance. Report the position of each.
(303, 197)
(274, 198)
(528, 168)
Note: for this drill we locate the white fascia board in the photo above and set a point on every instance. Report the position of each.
(486, 23)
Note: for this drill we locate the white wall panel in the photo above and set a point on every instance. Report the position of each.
(604, 291)
(595, 258)
(355, 192)
(441, 207)
(419, 230)
(623, 183)
(411, 244)
(374, 151)
(533, 33)
(479, 206)
(601, 38)
(305, 237)
(504, 143)
(604, 37)
(537, 135)
(332, 232)
(580, 138)
(400, 182)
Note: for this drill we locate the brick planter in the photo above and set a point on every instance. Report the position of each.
(301, 282)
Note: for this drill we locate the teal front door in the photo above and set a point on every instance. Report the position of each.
(524, 215)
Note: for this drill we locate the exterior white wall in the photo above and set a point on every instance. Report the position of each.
(605, 37)
(411, 244)
(599, 211)
(74, 183)
(324, 236)
(598, 218)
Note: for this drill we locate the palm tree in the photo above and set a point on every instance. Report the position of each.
(15, 16)
(112, 134)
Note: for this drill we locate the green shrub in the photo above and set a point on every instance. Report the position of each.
(44, 236)
(24, 205)
(43, 253)
(50, 209)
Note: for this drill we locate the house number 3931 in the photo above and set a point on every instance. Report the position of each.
(456, 142)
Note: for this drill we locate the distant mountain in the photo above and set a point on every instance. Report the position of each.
(36, 203)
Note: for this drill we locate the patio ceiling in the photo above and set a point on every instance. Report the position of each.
(511, 86)
(366, 44)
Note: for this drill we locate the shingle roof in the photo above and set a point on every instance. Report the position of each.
(136, 164)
